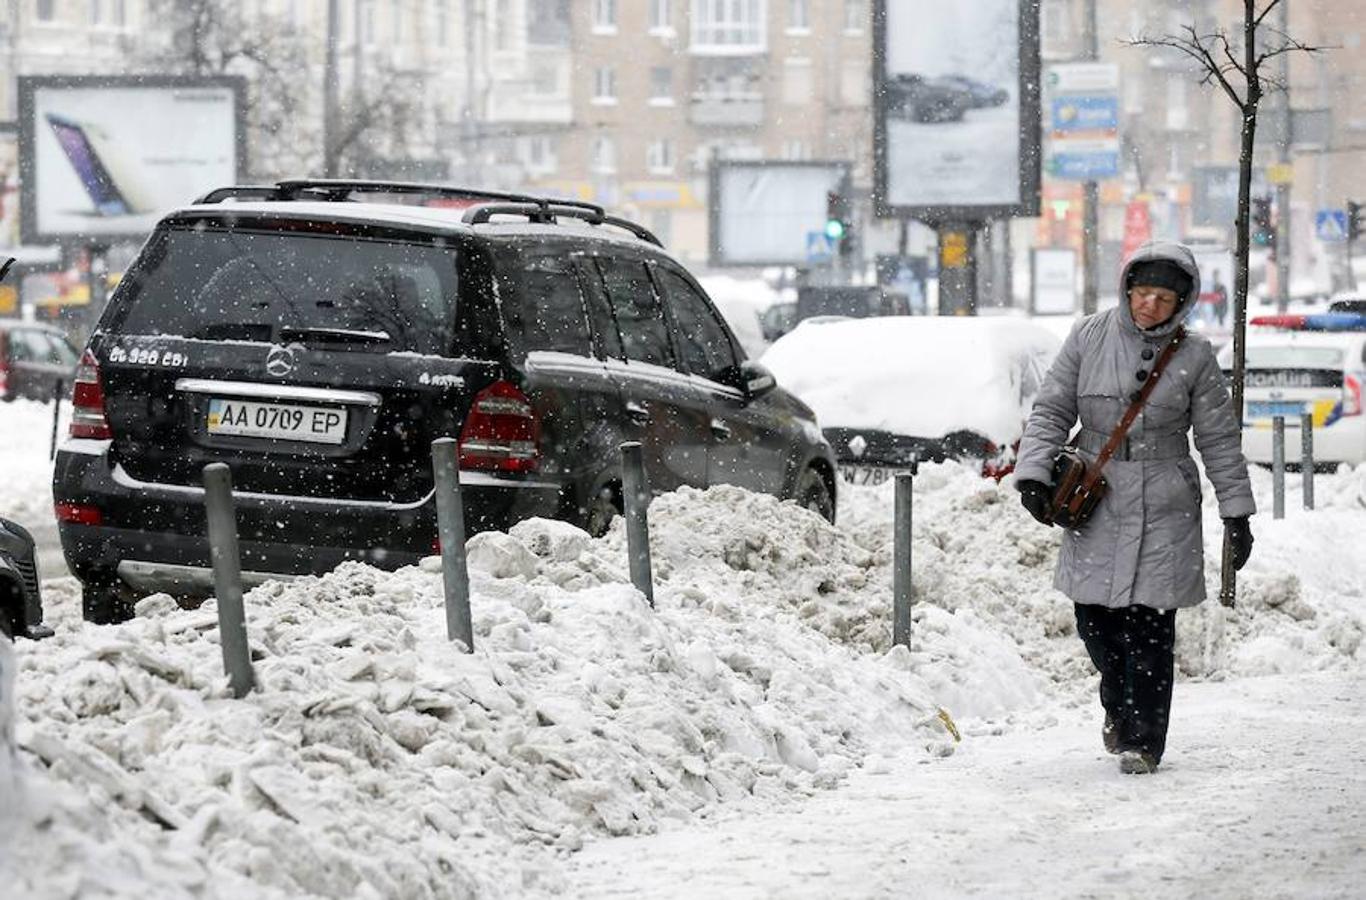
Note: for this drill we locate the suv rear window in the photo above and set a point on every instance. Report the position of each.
(234, 284)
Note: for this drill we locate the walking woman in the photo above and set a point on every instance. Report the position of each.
(1139, 557)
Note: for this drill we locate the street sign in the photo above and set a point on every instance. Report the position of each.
(1083, 121)
(1085, 115)
(1083, 78)
(819, 247)
(1330, 225)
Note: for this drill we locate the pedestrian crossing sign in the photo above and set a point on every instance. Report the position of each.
(1330, 225)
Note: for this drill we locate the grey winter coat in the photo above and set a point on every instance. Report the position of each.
(1143, 544)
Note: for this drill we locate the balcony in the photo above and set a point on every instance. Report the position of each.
(745, 110)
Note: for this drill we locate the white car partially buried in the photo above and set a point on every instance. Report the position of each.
(1292, 373)
(887, 391)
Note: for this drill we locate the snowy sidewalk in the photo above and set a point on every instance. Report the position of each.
(1262, 794)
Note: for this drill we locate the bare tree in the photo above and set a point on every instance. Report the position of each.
(1236, 64)
(286, 93)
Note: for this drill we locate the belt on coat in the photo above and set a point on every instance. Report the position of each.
(1137, 447)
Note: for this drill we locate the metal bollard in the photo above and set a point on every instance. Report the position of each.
(635, 494)
(1278, 467)
(450, 519)
(901, 560)
(227, 577)
(56, 418)
(1307, 459)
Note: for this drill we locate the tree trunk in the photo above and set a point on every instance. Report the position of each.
(1228, 576)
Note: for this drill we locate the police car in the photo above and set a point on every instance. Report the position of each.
(1305, 364)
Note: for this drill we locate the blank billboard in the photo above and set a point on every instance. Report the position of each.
(770, 213)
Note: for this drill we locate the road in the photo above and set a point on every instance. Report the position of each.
(1261, 795)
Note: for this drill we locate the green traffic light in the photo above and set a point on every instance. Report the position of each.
(834, 229)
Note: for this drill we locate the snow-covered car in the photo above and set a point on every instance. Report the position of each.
(887, 391)
(1290, 373)
(919, 99)
(980, 93)
(35, 360)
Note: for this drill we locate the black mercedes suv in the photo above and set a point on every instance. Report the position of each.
(318, 335)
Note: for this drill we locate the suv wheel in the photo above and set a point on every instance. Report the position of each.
(814, 494)
(602, 508)
(106, 602)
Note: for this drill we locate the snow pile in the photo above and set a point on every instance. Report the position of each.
(383, 758)
(922, 376)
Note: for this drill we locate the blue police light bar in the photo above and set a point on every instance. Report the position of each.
(1317, 322)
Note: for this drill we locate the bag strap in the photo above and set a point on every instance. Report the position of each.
(1093, 472)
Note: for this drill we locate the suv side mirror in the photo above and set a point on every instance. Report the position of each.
(755, 380)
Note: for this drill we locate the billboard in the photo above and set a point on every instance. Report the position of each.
(957, 110)
(771, 213)
(1054, 289)
(102, 158)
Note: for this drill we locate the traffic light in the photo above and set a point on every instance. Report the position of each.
(839, 222)
(1263, 232)
(1354, 220)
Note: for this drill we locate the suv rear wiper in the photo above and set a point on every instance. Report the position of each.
(335, 335)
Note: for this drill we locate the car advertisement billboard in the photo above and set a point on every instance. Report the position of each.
(771, 213)
(957, 119)
(102, 158)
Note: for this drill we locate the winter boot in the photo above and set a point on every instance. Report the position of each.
(1137, 762)
(1109, 735)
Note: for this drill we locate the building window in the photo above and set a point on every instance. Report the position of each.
(661, 86)
(799, 15)
(502, 26)
(855, 16)
(798, 81)
(396, 16)
(661, 16)
(1056, 25)
(854, 89)
(1177, 110)
(728, 26)
(96, 11)
(605, 85)
(795, 150)
(604, 155)
(367, 22)
(121, 13)
(43, 10)
(548, 23)
(545, 78)
(443, 22)
(539, 156)
(659, 157)
(605, 16)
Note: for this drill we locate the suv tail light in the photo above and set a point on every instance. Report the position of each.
(1351, 395)
(87, 401)
(501, 431)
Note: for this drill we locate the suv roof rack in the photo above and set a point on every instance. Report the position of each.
(336, 190)
(548, 211)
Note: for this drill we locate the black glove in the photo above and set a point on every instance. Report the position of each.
(1240, 538)
(1037, 497)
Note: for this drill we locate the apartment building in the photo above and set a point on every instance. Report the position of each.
(660, 87)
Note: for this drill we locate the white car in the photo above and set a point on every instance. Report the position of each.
(1290, 373)
(889, 390)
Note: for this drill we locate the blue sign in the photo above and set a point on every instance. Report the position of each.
(1074, 114)
(819, 247)
(1084, 166)
(1330, 225)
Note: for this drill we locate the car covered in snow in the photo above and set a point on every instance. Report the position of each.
(1291, 372)
(317, 336)
(893, 390)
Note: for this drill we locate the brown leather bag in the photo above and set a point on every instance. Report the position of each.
(1078, 486)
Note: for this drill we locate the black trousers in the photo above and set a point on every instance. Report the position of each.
(1132, 648)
